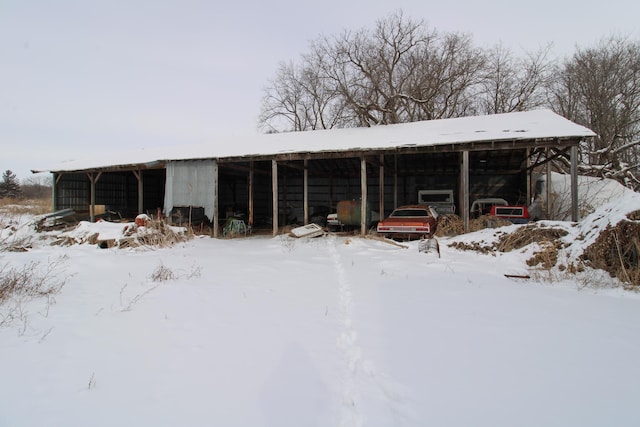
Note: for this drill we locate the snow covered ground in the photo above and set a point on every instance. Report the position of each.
(329, 331)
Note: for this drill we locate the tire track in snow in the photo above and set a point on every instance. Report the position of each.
(356, 368)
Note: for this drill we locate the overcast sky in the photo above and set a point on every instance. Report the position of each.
(78, 78)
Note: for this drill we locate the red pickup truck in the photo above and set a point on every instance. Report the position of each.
(517, 214)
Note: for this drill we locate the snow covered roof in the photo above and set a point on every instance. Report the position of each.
(520, 126)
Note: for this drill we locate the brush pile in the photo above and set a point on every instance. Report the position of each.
(616, 250)
(144, 232)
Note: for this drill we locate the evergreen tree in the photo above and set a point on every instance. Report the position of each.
(10, 187)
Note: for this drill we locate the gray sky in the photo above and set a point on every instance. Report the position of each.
(78, 78)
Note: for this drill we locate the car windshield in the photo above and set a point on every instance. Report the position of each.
(409, 212)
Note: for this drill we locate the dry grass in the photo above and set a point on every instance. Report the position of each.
(10, 206)
(12, 218)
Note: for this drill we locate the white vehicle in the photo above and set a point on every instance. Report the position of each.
(440, 200)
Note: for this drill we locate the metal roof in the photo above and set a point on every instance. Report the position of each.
(477, 132)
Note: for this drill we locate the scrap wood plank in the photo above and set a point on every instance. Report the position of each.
(385, 240)
(517, 276)
(309, 230)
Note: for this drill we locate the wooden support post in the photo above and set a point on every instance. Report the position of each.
(55, 178)
(93, 179)
(216, 204)
(575, 214)
(332, 203)
(547, 202)
(274, 191)
(250, 213)
(363, 201)
(528, 172)
(305, 191)
(138, 175)
(464, 190)
(395, 183)
(381, 186)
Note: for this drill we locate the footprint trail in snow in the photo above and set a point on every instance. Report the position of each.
(359, 378)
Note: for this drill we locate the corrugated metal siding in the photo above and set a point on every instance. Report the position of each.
(190, 183)
(73, 192)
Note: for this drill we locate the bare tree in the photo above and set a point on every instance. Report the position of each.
(299, 98)
(37, 187)
(514, 83)
(399, 72)
(600, 88)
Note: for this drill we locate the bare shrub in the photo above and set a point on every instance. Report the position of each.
(26, 281)
(20, 285)
(162, 273)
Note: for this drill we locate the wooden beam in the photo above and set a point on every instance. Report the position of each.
(244, 169)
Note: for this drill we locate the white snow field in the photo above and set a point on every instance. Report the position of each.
(328, 331)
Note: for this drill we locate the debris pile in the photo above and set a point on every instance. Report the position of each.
(487, 221)
(616, 250)
(526, 235)
(144, 232)
(449, 225)
(549, 240)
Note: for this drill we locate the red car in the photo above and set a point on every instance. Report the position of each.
(409, 222)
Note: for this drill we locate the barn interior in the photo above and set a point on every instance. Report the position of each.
(245, 185)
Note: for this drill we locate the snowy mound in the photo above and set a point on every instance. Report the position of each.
(607, 239)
